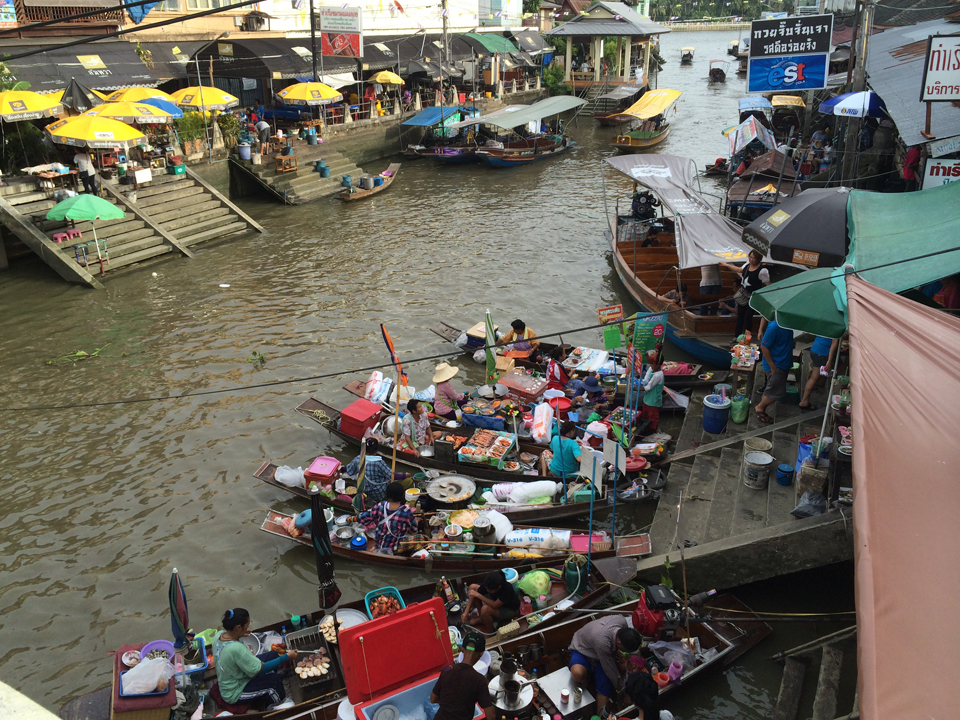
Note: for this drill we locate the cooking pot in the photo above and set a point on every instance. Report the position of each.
(426, 450)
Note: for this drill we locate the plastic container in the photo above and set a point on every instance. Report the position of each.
(723, 386)
(575, 578)
(323, 470)
(716, 412)
(346, 180)
(740, 409)
(244, 151)
(756, 470)
(374, 594)
(662, 679)
(139, 695)
(561, 406)
(176, 169)
(675, 672)
(411, 496)
(325, 171)
(377, 181)
(157, 645)
(513, 577)
(359, 542)
(793, 395)
(757, 445)
(359, 416)
(311, 139)
(784, 474)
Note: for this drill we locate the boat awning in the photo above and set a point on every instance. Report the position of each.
(754, 103)
(490, 44)
(748, 131)
(382, 53)
(781, 101)
(109, 65)
(704, 236)
(516, 115)
(273, 58)
(431, 116)
(687, 49)
(530, 42)
(653, 103)
(770, 163)
(892, 338)
(621, 93)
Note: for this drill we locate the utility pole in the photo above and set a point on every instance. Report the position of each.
(446, 37)
(851, 145)
(313, 41)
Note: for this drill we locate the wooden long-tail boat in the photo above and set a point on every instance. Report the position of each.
(356, 193)
(525, 152)
(640, 140)
(651, 110)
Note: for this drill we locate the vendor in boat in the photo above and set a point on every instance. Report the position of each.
(492, 600)
(392, 520)
(566, 451)
(557, 378)
(447, 399)
(596, 650)
(460, 687)
(753, 276)
(644, 693)
(590, 399)
(376, 472)
(245, 678)
(415, 428)
(523, 339)
(653, 383)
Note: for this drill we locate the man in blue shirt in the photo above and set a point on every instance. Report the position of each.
(777, 350)
(822, 354)
(376, 475)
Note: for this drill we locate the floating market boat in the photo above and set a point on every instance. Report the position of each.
(620, 97)
(718, 71)
(539, 147)
(319, 699)
(733, 47)
(701, 236)
(788, 112)
(651, 110)
(455, 154)
(686, 55)
(356, 193)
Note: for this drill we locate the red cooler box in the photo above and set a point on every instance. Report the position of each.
(395, 660)
(322, 470)
(358, 417)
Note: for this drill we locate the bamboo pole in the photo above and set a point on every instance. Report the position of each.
(396, 427)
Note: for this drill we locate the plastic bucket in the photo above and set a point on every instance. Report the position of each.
(723, 386)
(311, 139)
(740, 409)
(575, 578)
(412, 496)
(320, 166)
(244, 152)
(793, 395)
(716, 412)
(757, 445)
(756, 470)
(784, 474)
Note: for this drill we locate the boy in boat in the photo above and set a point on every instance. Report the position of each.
(494, 599)
(596, 650)
(523, 339)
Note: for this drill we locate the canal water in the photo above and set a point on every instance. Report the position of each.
(101, 503)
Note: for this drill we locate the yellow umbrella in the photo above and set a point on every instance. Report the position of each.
(94, 132)
(309, 93)
(130, 112)
(134, 94)
(204, 98)
(385, 77)
(26, 105)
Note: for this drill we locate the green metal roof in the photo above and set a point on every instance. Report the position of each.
(493, 43)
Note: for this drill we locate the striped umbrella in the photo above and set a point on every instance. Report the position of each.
(491, 341)
(179, 616)
(328, 592)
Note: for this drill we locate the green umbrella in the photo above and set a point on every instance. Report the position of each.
(807, 302)
(87, 207)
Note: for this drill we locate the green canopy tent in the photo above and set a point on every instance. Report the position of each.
(897, 242)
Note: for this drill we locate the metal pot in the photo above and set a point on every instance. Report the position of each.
(536, 652)
(345, 536)
(426, 451)
(508, 671)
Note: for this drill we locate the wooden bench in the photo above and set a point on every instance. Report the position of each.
(286, 163)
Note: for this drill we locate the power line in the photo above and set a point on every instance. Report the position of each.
(76, 16)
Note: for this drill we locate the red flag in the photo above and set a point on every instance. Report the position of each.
(393, 355)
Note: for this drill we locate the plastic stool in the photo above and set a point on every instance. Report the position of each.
(223, 704)
(60, 237)
(74, 233)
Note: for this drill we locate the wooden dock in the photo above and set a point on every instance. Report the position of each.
(734, 534)
(170, 215)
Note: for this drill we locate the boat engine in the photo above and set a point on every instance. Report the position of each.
(658, 614)
(645, 206)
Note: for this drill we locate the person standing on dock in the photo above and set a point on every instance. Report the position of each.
(777, 350)
(652, 384)
(594, 651)
(822, 354)
(753, 276)
(85, 170)
(263, 130)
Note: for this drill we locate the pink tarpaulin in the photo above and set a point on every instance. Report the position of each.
(905, 373)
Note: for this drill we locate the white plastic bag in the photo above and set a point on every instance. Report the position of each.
(461, 340)
(538, 538)
(428, 395)
(500, 522)
(480, 356)
(542, 424)
(145, 676)
(291, 477)
(373, 383)
(527, 491)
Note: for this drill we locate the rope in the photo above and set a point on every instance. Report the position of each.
(366, 668)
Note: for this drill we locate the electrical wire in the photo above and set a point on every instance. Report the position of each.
(354, 371)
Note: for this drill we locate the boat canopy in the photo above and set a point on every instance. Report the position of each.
(431, 116)
(687, 49)
(515, 115)
(704, 236)
(621, 93)
(746, 132)
(653, 103)
(787, 101)
(754, 103)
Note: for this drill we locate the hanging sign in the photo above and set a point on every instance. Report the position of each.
(610, 314)
(940, 172)
(788, 54)
(941, 70)
(8, 14)
(341, 31)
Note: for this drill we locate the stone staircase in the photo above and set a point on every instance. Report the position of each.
(829, 652)
(304, 184)
(171, 214)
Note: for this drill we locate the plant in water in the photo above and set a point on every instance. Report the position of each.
(258, 359)
(75, 357)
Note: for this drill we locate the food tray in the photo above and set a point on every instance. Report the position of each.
(389, 591)
(304, 689)
(139, 695)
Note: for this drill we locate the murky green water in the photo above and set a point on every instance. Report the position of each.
(101, 503)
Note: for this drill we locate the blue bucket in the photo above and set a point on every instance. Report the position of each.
(377, 181)
(244, 152)
(358, 543)
(320, 166)
(716, 412)
(325, 172)
(784, 474)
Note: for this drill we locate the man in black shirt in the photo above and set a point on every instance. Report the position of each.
(494, 599)
(459, 687)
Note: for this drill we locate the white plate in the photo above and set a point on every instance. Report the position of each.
(387, 712)
(453, 424)
(351, 617)
(131, 658)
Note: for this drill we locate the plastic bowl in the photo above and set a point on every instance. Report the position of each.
(512, 576)
(157, 645)
(453, 531)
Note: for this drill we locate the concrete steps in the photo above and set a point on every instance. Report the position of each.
(304, 183)
(217, 232)
(830, 651)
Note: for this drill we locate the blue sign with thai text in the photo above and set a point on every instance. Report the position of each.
(785, 74)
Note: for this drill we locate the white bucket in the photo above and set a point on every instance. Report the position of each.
(756, 470)
(411, 496)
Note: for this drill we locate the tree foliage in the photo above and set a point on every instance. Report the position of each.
(697, 9)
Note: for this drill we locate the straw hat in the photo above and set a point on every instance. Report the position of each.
(444, 372)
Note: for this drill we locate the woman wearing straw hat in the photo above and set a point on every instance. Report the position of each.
(447, 399)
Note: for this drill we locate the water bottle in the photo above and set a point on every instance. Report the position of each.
(283, 634)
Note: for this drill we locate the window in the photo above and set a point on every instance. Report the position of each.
(171, 5)
(205, 4)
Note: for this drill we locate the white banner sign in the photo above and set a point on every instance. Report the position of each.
(941, 73)
(940, 172)
(341, 20)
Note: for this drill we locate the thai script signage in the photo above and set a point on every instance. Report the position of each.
(940, 172)
(941, 71)
(789, 54)
(341, 31)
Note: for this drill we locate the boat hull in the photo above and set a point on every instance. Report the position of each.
(458, 158)
(640, 144)
(364, 194)
(508, 159)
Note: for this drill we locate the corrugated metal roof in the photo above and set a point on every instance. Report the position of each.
(895, 72)
(897, 13)
(609, 18)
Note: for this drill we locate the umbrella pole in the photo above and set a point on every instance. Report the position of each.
(96, 244)
(396, 427)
